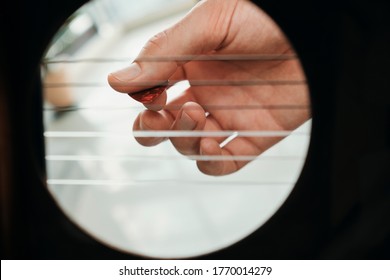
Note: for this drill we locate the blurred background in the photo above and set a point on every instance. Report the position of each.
(148, 201)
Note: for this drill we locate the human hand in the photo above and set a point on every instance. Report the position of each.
(218, 27)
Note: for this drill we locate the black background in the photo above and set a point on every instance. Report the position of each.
(340, 207)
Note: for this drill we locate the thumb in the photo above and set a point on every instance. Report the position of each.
(200, 32)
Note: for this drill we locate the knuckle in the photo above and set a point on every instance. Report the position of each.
(157, 41)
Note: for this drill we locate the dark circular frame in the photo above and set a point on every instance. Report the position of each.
(340, 205)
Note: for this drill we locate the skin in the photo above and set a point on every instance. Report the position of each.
(218, 27)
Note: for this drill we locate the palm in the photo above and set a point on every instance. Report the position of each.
(241, 108)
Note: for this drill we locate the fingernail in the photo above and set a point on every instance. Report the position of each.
(186, 123)
(127, 74)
